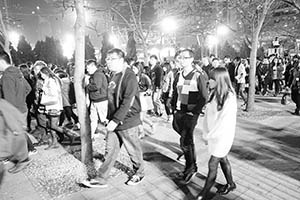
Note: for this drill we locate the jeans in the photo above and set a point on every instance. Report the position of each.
(240, 90)
(184, 124)
(114, 142)
(156, 101)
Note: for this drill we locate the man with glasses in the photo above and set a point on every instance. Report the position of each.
(124, 118)
(189, 97)
(97, 90)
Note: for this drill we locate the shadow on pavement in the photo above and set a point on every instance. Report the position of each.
(276, 149)
(170, 168)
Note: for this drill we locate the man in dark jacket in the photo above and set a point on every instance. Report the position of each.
(124, 118)
(189, 96)
(14, 88)
(231, 68)
(294, 84)
(97, 90)
(156, 73)
(12, 137)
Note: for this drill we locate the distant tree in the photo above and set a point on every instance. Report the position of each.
(106, 46)
(4, 42)
(252, 15)
(244, 50)
(49, 51)
(227, 50)
(196, 18)
(131, 46)
(24, 51)
(136, 16)
(38, 50)
(89, 49)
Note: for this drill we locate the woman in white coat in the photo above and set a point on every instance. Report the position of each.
(51, 99)
(219, 129)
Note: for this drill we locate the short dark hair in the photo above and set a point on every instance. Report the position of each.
(177, 54)
(119, 52)
(227, 56)
(212, 55)
(154, 56)
(190, 51)
(238, 59)
(215, 59)
(91, 61)
(4, 56)
(23, 66)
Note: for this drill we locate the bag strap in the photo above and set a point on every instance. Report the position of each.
(119, 89)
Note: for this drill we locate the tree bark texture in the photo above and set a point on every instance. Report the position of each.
(86, 142)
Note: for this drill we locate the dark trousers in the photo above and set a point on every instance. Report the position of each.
(184, 124)
(276, 82)
(166, 101)
(296, 98)
(68, 112)
(240, 90)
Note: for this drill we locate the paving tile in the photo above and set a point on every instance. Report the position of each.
(283, 195)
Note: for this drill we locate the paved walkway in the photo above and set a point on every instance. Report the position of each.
(265, 161)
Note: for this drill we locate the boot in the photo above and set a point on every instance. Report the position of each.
(53, 143)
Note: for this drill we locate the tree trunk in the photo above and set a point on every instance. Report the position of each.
(3, 33)
(253, 55)
(86, 142)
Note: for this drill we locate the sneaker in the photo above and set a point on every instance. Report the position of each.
(189, 177)
(32, 152)
(95, 183)
(135, 179)
(19, 166)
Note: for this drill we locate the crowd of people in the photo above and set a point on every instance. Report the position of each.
(122, 94)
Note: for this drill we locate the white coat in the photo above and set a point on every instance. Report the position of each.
(219, 126)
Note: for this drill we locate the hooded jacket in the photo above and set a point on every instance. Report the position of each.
(14, 88)
(97, 87)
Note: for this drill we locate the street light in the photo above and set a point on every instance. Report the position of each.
(68, 45)
(212, 41)
(114, 40)
(222, 30)
(14, 38)
(168, 25)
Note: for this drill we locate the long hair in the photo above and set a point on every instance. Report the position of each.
(223, 86)
(48, 72)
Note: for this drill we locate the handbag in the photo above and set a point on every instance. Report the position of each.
(146, 101)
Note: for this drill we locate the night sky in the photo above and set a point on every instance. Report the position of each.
(37, 18)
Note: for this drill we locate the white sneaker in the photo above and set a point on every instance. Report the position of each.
(93, 183)
(135, 179)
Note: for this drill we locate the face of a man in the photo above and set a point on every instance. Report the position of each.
(91, 68)
(153, 61)
(215, 63)
(114, 62)
(185, 59)
(226, 60)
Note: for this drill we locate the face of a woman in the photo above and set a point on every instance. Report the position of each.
(212, 83)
